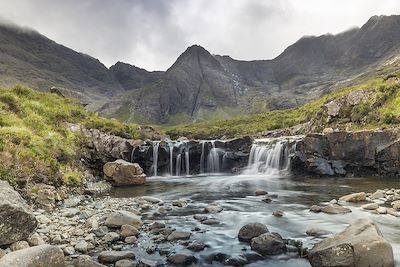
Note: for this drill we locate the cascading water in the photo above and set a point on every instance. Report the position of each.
(203, 143)
(269, 156)
(213, 159)
(154, 167)
(171, 159)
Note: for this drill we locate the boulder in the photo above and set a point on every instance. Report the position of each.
(396, 205)
(179, 235)
(182, 259)
(333, 108)
(113, 256)
(87, 261)
(370, 206)
(119, 218)
(122, 173)
(251, 230)
(17, 221)
(360, 244)
(129, 230)
(268, 244)
(213, 209)
(44, 255)
(335, 209)
(355, 197)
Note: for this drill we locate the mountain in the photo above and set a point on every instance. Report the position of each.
(200, 86)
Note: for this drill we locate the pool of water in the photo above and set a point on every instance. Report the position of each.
(236, 195)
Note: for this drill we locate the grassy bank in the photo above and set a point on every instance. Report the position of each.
(35, 144)
(382, 109)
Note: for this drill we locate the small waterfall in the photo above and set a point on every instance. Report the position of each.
(171, 159)
(213, 159)
(178, 165)
(154, 167)
(203, 143)
(187, 161)
(269, 156)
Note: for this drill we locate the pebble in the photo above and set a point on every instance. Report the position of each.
(111, 237)
(131, 239)
(278, 213)
(129, 230)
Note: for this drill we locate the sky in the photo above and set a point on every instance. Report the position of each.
(152, 33)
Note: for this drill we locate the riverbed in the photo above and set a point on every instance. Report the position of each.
(236, 194)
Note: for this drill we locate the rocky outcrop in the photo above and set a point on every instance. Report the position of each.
(17, 222)
(341, 153)
(360, 244)
(121, 172)
(44, 255)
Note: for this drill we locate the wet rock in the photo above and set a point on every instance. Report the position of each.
(318, 232)
(210, 221)
(278, 213)
(114, 256)
(69, 250)
(101, 231)
(196, 246)
(213, 209)
(34, 256)
(260, 193)
(157, 225)
(396, 205)
(200, 218)
(237, 260)
(87, 261)
(125, 263)
(111, 237)
(251, 230)
(82, 246)
(122, 173)
(129, 230)
(182, 259)
(370, 206)
(360, 244)
(355, 197)
(19, 245)
(335, 209)
(316, 208)
(131, 239)
(2, 253)
(393, 212)
(152, 200)
(381, 210)
(146, 263)
(179, 235)
(17, 222)
(267, 199)
(268, 244)
(119, 218)
(377, 195)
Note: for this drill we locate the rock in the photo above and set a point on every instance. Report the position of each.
(251, 230)
(200, 218)
(17, 221)
(381, 210)
(360, 244)
(268, 244)
(396, 205)
(146, 263)
(101, 231)
(51, 256)
(333, 108)
(267, 199)
(377, 195)
(182, 259)
(125, 263)
(316, 208)
(278, 213)
(370, 206)
(179, 235)
(129, 230)
(119, 218)
(72, 202)
(355, 197)
(152, 200)
(131, 239)
(157, 225)
(317, 232)
(213, 209)
(2, 253)
(114, 256)
(335, 209)
(122, 173)
(261, 193)
(111, 237)
(196, 246)
(236, 260)
(210, 221)
(393, 212)
(87, 261)
(19, 245)
(69, 250)
(45, 198)
(82, 246)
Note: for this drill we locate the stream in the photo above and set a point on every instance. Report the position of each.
(236, 194)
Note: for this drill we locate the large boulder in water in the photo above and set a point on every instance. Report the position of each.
(44, 255)
(17, 222)
(268, 244)
(360, 244)
(251, 230)
(122, 173)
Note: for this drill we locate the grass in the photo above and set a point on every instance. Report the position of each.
(382, 109)
(35, 144)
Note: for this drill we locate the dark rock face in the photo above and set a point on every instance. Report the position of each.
(44, 255)
(339, 153)
(17, 221)
(268, 244)
(360, 244)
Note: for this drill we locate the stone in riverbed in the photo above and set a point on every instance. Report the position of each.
(261, 193)
(87, 261)
(335, 209)
(111, 237)
(317, 232)
(131, 239)
(210, 221)
(35, 240)
(355, 197)
(2, 253)
(377, 195)
(114, 256)
(393, 212)
(381, 210)
(213, 209)
(315, 208)
(129, 230)
(122, 173)
(17, 221)
(396, 205)
(119, 218)
(19, 245)
(82, 246)
(278, 213)
(370, 206)
(52, 256)
(251, 230)
(125, 263)
(152, 200)
(268, 244)
(360, 244)
(182, 259)
(179, 235)
(196, 246)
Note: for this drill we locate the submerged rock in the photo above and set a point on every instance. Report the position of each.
(360, 244)
(251, 230)
(268, 244)
(122, 173)
(51, 256)
(17, 221)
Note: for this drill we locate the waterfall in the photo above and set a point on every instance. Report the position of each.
(154, 167)
(269, 156)
(187, 162)
(203, 143)
(213, 159)
(133, 152)
(178, 165)
(171, 159)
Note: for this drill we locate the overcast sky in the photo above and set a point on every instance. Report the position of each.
(152, 33)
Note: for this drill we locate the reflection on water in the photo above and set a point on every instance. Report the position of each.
(236, 195)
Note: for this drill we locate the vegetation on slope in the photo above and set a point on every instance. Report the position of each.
(381, 109)
(35, 144)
